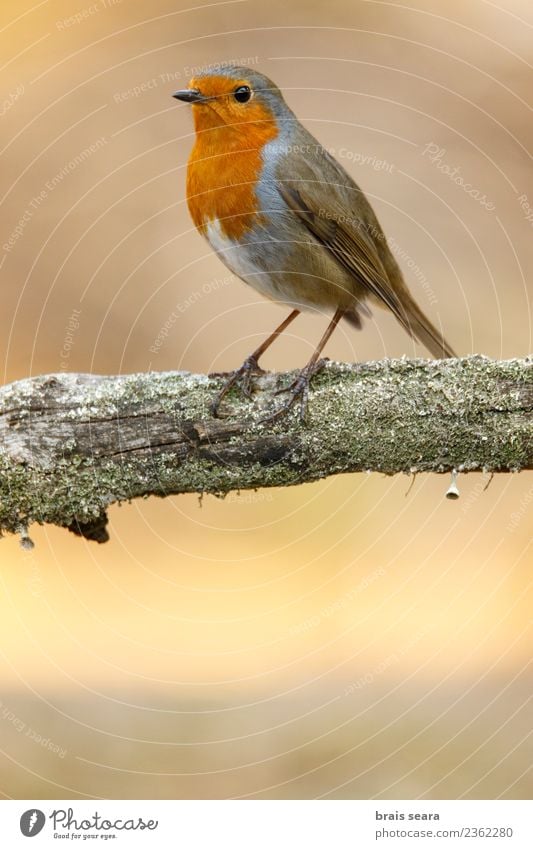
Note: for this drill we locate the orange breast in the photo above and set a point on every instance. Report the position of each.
(224, 167)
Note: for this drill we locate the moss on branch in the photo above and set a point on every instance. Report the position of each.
(72, 444)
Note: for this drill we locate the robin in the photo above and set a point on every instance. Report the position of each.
(287, 219)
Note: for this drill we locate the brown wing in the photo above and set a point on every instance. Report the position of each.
(332, 207)
(348, 241)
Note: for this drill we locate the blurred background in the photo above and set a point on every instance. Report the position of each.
(354, 638)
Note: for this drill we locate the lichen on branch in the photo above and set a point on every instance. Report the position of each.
(73, 444)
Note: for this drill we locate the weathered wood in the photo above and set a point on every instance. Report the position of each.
(72, 444)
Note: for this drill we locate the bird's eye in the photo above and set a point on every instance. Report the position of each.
(242, 94)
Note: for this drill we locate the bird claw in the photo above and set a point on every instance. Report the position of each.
(242, 375)
(299, 388)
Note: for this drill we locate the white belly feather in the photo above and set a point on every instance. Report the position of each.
(238, 260)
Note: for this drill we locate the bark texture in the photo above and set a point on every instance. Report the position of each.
(72, 444)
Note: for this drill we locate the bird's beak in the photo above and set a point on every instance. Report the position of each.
(189, 95)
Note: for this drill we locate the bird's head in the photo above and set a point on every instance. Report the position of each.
(233, 97)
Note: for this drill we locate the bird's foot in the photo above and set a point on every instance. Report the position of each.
(243, 376)
(298, 390)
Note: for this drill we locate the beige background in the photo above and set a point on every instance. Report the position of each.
(343, 639)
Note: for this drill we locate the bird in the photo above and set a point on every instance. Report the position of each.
(287, 219)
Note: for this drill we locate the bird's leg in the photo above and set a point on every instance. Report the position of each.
(251, 366)
(299, 388)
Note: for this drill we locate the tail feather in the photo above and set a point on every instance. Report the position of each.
(414, 321)
(420, 327)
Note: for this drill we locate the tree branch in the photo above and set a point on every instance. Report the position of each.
(72, 444)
